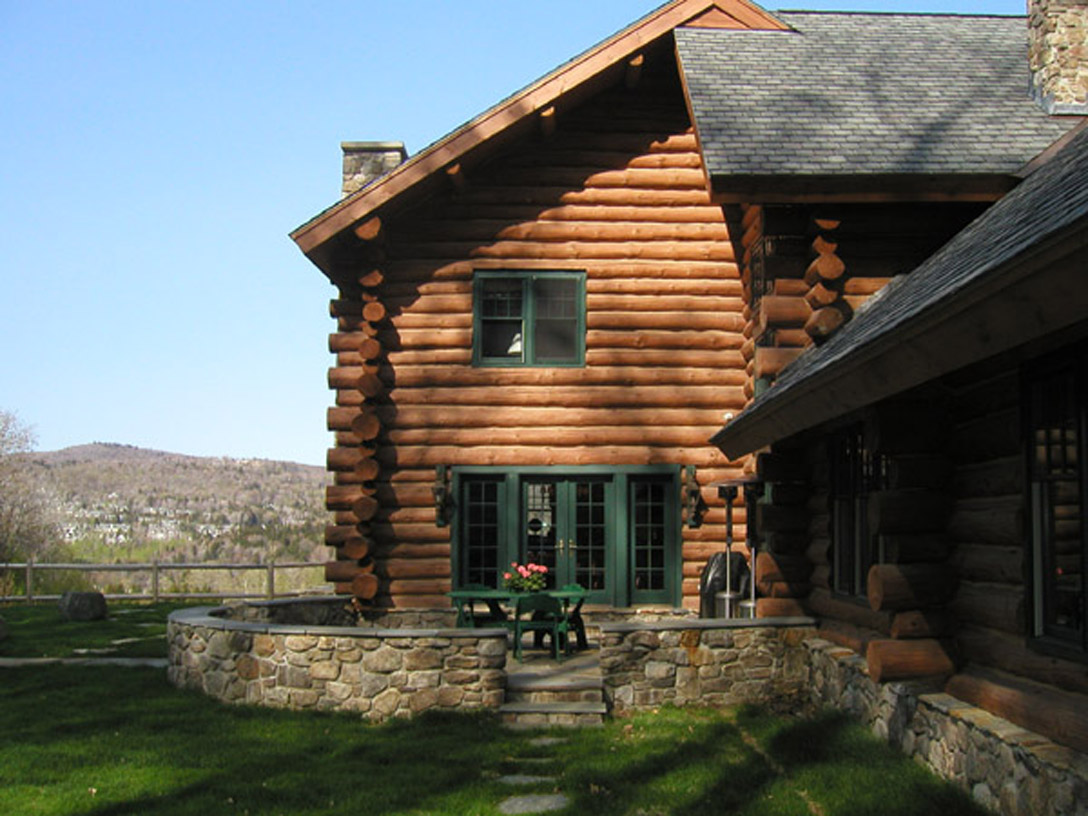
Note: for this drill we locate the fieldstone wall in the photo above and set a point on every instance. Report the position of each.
(708, 662)
(380, 673)
(1004, 767)
(1058, 53)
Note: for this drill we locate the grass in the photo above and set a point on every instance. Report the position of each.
(112, 741)
(130, 630)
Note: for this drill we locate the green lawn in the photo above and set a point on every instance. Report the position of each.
(130, 630)
(112, 741)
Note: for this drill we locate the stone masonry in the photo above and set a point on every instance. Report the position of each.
(1005, 768)
(380, 673)
(705, 662)
(1059, 54)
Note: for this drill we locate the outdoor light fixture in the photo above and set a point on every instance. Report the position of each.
(441, 491)
(691, 496)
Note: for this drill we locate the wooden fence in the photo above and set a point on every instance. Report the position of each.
(29, 568)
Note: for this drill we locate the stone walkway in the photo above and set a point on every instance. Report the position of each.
(533, 802)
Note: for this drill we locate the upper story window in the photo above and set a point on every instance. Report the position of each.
(855, 472)
(1056, 420)
(529, 319)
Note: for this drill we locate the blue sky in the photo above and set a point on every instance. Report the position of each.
(154, 157)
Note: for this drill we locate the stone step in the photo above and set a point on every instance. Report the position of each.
(538, 715)
(580, 688)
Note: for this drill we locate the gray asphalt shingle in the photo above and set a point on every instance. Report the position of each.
(854, 93)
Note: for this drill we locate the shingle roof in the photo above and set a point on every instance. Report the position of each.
(1051, 200)
(865, 94)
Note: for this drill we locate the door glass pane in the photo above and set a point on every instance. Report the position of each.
(540, 521)
(649, 534)
(1057, 505)
(501, 313)
(481, 532)
(556, 332)
(589, 534)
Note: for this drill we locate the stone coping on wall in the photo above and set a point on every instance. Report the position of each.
(205, 616)
(704, 623)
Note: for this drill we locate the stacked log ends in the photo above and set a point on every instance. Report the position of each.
(830, 308)
(354, 462)
(895, 587)
(905, 659)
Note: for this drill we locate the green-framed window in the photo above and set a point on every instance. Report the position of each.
(615, 531)
(855, 473)
(529, 318)
(1056, 424)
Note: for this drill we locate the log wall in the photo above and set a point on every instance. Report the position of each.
(617, 190)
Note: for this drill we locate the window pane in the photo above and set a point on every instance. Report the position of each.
(481, 532)
(540, 520)
(501, 324)
(649, 534)
(556, 332)
(1057, 507)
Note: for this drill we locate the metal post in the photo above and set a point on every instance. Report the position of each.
(271, 580)
(155, 580)
(29, 578)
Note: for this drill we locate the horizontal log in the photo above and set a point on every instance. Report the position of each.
(994, 606)
(680, 340)
(791, 518)
(780, 608)
(778, 310)
(345, 571)
(847, 635)
(1040, 708)
(893, 587)
(906, 659)
(782, 568)
(983, 562)
(769, 362)
(728, 321)
(565, 230)
(928, 471)
(990, 647)
(908, 511)
(783, 542)
(690, 437)
(784, 589)
(998, 520)
(416, 567)
(906, 548)
(431, 416)
(661, 302)
(825, 605)
(456, 377)
(917, 623)
(994, 435)
(864, 286)
(790, 287)
(665, 358)
(419, 586)
(696, 396)
(995, 477)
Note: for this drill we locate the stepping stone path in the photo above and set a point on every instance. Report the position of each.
(533, 802)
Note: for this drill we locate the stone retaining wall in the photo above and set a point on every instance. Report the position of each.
(1004, 767)
(377, 672)
(706, 662)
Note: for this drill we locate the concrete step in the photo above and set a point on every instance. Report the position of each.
(539, 715)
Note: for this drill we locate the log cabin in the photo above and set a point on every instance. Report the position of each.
(543, 317)
(837, 256)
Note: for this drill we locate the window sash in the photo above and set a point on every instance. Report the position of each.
(529, 319)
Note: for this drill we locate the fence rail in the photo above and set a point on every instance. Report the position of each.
(30, 567)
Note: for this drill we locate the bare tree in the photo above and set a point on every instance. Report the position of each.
(27, 523)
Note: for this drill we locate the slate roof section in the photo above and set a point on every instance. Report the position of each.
(866, 94)
(1051, 200)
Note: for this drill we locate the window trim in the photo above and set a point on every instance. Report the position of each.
(1039, 637)
(866, 471)
(526, 277)
(620, 552)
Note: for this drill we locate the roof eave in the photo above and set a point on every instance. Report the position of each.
(531, 100)
(796, 188)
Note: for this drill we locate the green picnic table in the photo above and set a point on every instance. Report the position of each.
(466, 600)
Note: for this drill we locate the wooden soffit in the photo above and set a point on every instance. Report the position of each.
(530, 101)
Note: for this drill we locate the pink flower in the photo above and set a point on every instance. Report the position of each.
(507, 576)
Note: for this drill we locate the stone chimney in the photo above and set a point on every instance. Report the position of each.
(1058, 50)
(365, 161)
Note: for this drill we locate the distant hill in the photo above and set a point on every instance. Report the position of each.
(122, 503)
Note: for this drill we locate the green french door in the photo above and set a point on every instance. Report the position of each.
(614, 531)
(566, 526)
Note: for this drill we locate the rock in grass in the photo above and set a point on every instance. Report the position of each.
(83, 606)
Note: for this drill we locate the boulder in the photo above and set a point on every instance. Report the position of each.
(83, 606)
